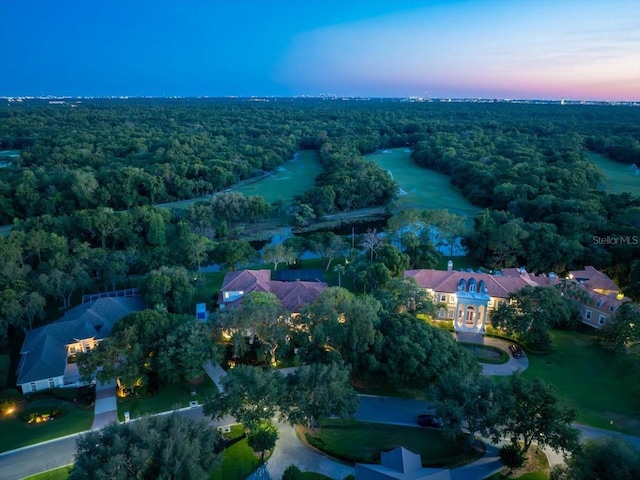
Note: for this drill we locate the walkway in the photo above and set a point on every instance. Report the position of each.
(216, 373)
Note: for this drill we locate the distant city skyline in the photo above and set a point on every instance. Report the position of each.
(504, 49)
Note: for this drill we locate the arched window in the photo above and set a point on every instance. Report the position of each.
(462, 286)
(472, 285)
(482, 288)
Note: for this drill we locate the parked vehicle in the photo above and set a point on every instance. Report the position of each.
(429, 421)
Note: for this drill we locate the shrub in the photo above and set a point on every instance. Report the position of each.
(292, 473)
(511, 457)
(43, 413)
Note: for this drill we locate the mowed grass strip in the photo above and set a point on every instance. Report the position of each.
(362, 442)
(61, 473)
(239, 461)
(420, 187)
(15, 433)
(294, 177)
(587, 378)
(171, 397)
(618, 177)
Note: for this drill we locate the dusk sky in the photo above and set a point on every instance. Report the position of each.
(535, 49)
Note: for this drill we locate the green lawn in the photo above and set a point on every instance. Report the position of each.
(15, 433)
(486, 353)
(355, 441)
(588, 379)
(422, 188)
(293, 178)
(61, 473)
(239, 460)
(618, 177)
(170, 398)
(207, 288)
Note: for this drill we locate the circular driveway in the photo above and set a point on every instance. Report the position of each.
(509, 368)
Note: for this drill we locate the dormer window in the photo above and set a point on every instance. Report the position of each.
(482, 288)
(462, 286)
(472, 285)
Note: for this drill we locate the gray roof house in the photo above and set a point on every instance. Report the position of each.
(399, 464)
(45, 350)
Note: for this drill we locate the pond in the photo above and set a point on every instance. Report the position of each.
(619, 177)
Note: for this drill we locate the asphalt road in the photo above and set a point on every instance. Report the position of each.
(398, 411)
(30, 460)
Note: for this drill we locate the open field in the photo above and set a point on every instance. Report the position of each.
(588, 379)
(619, 177)
(293, 178)
(420, 187)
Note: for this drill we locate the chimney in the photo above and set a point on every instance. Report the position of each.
(449, 266)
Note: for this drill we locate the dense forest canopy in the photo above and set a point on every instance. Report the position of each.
(125, 153)
(80, 195)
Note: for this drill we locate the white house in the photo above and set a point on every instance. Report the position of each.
(46, 350)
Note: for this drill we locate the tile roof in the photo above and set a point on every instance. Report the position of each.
(247, 281)
(44, 350)
(497, 286)
(594, 279)
(292, 295)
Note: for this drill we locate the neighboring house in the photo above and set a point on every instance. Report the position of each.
(46, 350)
(605, 296)
(399, 464)
(467, 297)
(293, 295)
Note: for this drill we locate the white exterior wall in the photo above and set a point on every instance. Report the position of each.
(42, 385)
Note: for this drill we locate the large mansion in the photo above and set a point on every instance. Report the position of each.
(466, 297)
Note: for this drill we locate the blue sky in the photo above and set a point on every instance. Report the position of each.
(577, 49)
